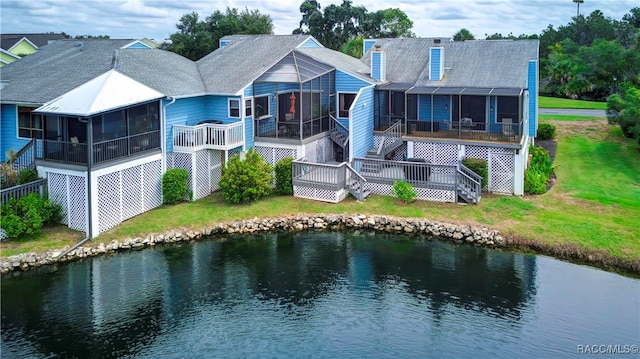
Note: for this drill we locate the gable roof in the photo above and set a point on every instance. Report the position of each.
(476, 64)
(7, 41)
(106, 92)
(340, 61)
(229, 69)
(56, 69)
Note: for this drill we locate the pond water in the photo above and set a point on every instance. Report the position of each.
(326, 295)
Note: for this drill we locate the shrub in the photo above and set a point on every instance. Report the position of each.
(404, 191)
(27, 215)
(539, 171)
(174, 186)
(27, 176)
(546, 131)
(479, 167)
(284, 169)
(8, 176)
(247, 179)
(535, 182)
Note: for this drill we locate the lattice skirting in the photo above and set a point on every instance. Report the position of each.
(436, 153)
(501, 162)
(125, 193)
(425, 194)
(204, 169)
(274, 154)
(319, 194)
(70, 192)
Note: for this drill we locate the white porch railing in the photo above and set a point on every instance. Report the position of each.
(207, 136)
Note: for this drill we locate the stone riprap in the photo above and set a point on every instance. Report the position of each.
(457, 233)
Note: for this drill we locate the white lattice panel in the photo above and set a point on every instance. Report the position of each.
(425, 194)
(399, 153)
(152, 179)
(184, 161)
(319, 194)
(477, 152)
(377, 140)
(57, 184)
(77, 211)
(108, 201)
(436, 153)
(215, 171)
(274, 154)
(501, 172)
(202, 175)
(131, 191)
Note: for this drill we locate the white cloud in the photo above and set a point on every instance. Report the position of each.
(157, 18)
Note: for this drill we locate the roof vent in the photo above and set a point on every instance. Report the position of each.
(436, 41)
(377, 46)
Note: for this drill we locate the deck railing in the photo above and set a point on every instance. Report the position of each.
(418, 174)
(391, 138)
(207, 136)
(494, 132)
(338, 132)
(319, 175)
(103, 151)
(22, 190)
(356, 183)
(25, 158)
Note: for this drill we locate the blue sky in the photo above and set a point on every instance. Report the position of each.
(156, 19)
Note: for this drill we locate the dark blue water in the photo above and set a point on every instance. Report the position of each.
(328, 295)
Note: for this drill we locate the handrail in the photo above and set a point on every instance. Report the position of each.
(469, 183)
(22, 190)
(337, 129)
(394, 132)
(18, 157)
(356, 188)
(207, 136)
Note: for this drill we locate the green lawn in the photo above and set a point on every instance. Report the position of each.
(594, 205)
(566, 118)
(554, 102)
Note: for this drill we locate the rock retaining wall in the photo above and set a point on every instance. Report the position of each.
(458, 233)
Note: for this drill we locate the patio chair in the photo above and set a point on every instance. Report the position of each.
(507, 127)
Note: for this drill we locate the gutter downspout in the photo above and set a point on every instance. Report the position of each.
(163, 132)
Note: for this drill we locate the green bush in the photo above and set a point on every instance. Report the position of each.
(27, 176)
(404, 191)
(28, 215)
(174, 186)
(546, 131)
(284, 169)
(479, 167)
(539, 171)
(535, 182)
(247, 179)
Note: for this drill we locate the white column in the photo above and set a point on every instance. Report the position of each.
(518, 172)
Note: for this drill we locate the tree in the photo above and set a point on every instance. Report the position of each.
(196, 38)
(625, 111)
(462, 35)
(338, 24)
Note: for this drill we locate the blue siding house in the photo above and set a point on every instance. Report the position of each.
(113, 115)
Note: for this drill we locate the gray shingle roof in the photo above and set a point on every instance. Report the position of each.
(340, 61)
(164, 71)
(8, 40)
(480, 63)
(56, 69)
(231, 68)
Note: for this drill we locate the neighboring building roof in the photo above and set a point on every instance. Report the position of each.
(7, 41)
(56, 69)
(229, 69)
(475, 63)
(109, 91)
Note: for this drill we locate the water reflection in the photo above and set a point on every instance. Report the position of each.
(302, 290)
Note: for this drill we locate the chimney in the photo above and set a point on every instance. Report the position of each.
(436, 63)
(378, 64)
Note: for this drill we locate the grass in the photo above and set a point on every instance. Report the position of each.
(594, 205)
(554, 102)
(566, 118)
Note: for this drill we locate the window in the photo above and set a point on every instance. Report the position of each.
(247, 107)
(345, 101)
(262, 106)
(29, 126)
(234, 108)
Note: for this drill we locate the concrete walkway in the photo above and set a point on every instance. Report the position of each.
(572, 112)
